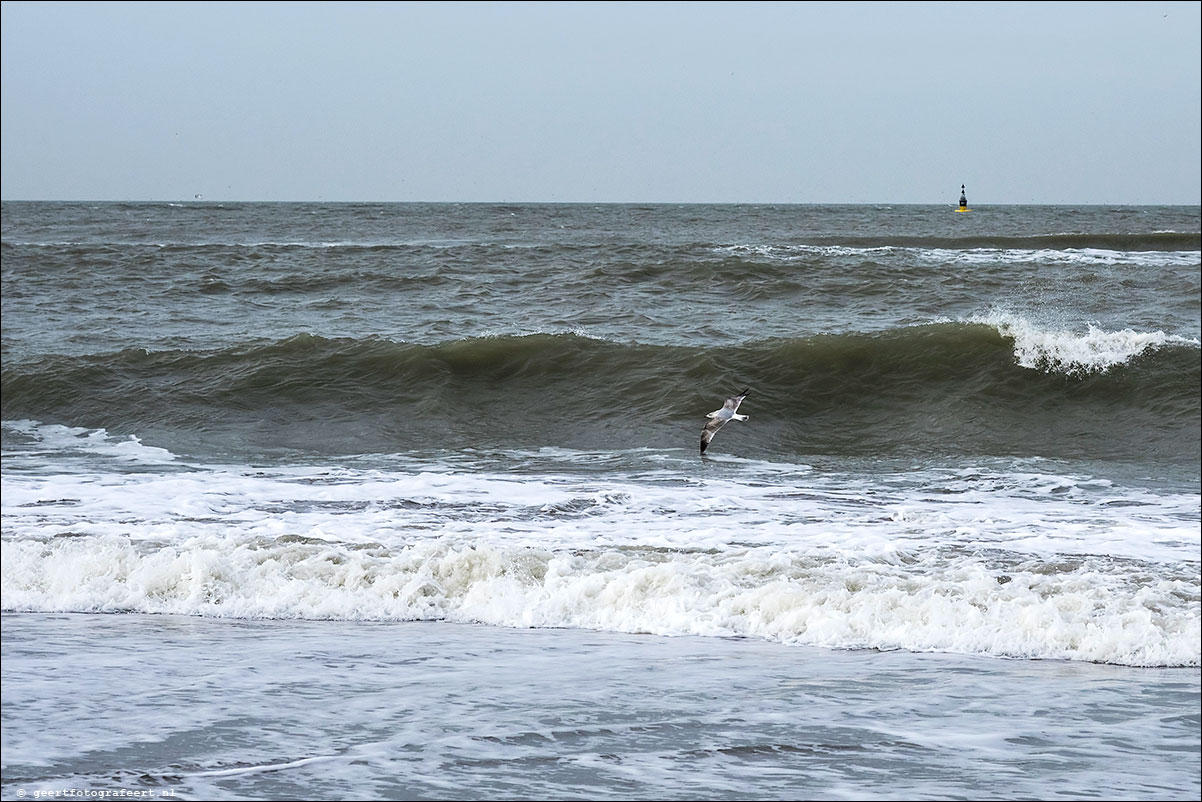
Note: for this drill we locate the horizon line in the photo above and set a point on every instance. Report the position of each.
(952, 203)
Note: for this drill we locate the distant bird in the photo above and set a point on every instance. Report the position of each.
(719, 418)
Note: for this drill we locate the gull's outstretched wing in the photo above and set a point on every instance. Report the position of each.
(711, 428)
(718, 418)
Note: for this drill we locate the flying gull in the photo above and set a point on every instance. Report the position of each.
(719, 418)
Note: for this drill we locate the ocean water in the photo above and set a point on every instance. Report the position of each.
(384, 501)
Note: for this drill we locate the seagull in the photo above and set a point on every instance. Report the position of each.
(719, 418)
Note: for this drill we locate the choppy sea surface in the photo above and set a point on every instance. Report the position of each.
(383, 501)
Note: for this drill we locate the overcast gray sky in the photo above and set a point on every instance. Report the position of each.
(1080, 102)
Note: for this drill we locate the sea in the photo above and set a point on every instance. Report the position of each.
(406, 501)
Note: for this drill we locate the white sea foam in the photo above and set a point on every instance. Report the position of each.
(67, 439)
(1001, 562)
(1083, 257)
(1059, 350)
(744, 506)
(1087, 612)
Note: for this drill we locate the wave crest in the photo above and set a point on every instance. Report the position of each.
(999, 384)
(1073, 354)
(1090, 613)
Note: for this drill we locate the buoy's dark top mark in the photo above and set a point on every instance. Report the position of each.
(963, 198)
(718, 418)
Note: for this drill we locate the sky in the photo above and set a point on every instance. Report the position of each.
(690, 102)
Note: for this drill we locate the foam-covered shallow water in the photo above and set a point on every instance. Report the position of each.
(984, 559)
(197, 708)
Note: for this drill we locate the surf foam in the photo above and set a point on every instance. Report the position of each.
(1059, 350)
(916, 602)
